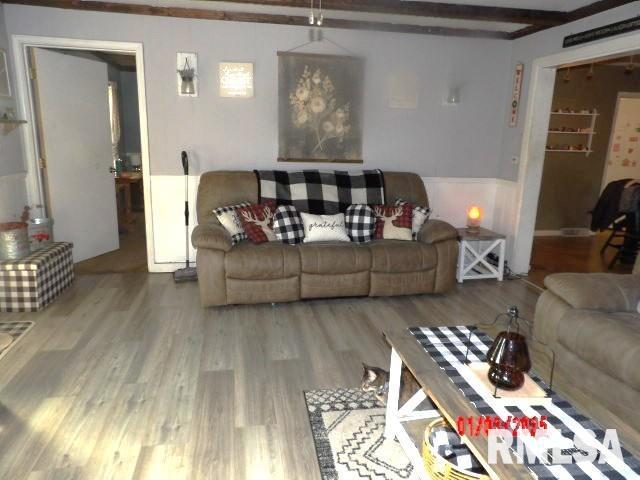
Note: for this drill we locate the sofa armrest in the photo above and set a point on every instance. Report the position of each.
(607, 292)
(210, 235)
(434, 231)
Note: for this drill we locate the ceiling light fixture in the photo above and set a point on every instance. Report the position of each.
(321, 16)
(590, 72)
(313, 20)
(628, 70)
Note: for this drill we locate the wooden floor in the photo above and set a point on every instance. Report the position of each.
(126, 376)
(131, 257)
(571, 254)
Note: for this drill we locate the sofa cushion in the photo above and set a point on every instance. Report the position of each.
(332, 258)
(228, 217)
(393, 222)
(419, 216)
(257, 221)
(597, 291)
(287, 225)
(361, 223)
(265, 261)
(609, 342)
(394, 256)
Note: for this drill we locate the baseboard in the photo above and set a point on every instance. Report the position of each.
(547, 233)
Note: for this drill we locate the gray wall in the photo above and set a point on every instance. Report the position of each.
(433, 140)
(571, 181)
(11, 158)
(129, 113)
(526, 50)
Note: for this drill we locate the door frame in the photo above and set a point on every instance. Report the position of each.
(621, 95)
(534, 137)
(24, 95)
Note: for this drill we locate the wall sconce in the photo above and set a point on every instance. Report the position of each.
(236, 79)
(453, 97)
(187, 74)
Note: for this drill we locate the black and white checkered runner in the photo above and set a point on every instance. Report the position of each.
(321, 192)
(447, 346)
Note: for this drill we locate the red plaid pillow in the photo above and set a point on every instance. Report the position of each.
(257, 221)
(393, 222)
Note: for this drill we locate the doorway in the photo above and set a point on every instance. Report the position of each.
(108, 216)
(89, 144)
(585, 151)
(536, 131)
(583, 154)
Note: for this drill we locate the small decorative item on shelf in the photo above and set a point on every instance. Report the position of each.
(474, 216)
(508, 357)
(14, 240)
(40, 234)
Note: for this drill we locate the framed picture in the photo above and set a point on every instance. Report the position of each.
(319, 108)
(5, 86)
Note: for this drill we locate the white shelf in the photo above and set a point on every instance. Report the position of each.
(576, 114)
(574, 133)
(587, 135)
(569, 151)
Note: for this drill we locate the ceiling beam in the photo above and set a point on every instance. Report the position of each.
(595, 8)
(572, 16)
(426, 9)
(235, 16)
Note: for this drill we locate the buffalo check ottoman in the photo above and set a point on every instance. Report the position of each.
(32, 282)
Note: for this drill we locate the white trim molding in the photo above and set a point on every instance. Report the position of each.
(25, 106)
(13, 196)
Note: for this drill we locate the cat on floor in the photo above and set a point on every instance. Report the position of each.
(376, 380)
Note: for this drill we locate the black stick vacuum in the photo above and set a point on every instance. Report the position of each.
(187, 274)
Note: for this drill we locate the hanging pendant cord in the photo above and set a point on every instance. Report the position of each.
(322, 38)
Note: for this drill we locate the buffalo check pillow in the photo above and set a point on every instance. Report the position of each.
(361, 223)
(418, 217)
(257, 221)
(287, 224)
(393, 222)
(228, 217)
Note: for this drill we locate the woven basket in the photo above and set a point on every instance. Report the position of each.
(438, 467)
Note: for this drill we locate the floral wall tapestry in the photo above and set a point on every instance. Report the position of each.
(320, 108)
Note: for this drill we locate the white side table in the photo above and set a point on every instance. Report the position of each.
(475, 248)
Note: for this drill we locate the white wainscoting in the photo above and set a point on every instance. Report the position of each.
(13, 196)
(167, 205)
(449, 199)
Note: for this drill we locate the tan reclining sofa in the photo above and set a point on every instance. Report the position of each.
(276, 272)
(591, 321)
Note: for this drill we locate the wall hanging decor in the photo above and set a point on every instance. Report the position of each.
(515, 97)
(236, 79)
(187, 74)
(320, 108)
(403, 90)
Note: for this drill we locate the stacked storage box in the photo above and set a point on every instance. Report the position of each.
(32, 282)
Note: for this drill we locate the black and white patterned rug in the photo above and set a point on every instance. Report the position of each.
(10, 333)
(347, 427)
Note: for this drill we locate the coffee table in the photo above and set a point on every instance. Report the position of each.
(451, 403)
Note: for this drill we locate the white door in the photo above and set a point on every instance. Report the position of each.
(72, 101)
